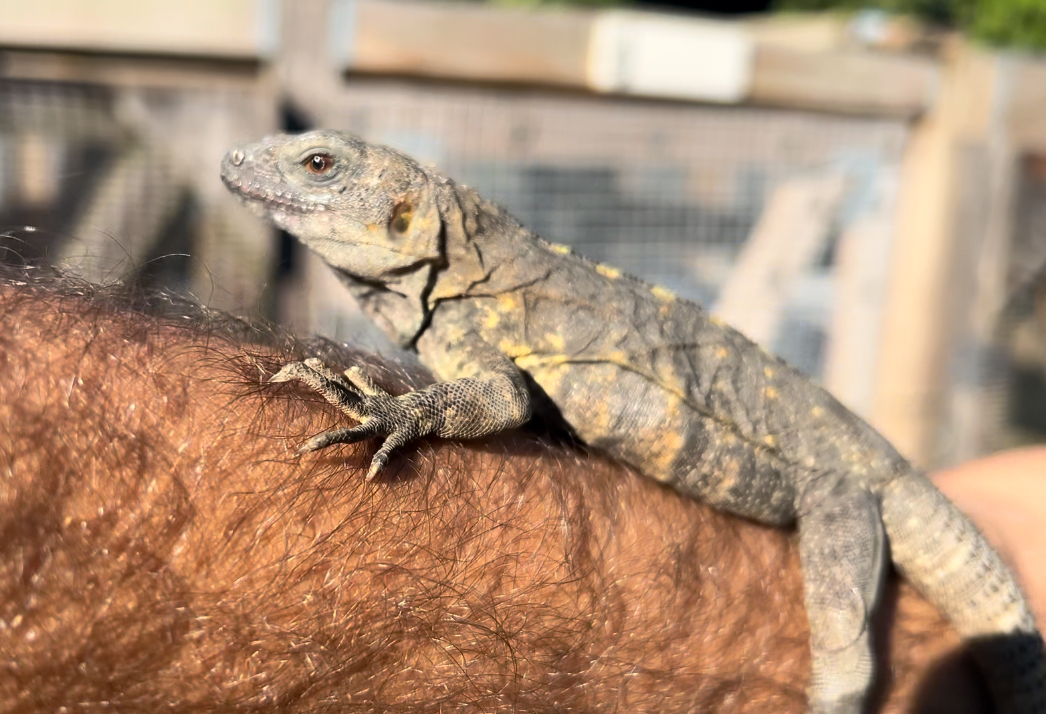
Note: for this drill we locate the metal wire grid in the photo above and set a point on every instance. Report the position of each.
(121, 183)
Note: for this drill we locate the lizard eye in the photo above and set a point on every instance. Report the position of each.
(318, 163)
(401, 217)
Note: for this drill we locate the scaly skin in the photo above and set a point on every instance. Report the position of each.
(496, 312)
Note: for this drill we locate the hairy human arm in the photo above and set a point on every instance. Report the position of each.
(162, 547)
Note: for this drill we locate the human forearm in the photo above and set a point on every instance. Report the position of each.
(163, 545)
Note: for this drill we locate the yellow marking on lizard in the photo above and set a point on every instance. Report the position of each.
(548, 375)
(608, 272)
(817, 412)
(768, 372)
(668, 448)
(507, 302)
(455, 332)
(664, 444)
(770, 393)
(721, 353)
(770, 440)
(731, 469)
(663, 293)
(513, 350)
(556, 340)
(492, 319)
(560, 248)
(716, 320)
(669, 383)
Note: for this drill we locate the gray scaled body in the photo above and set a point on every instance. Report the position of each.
(498, 314)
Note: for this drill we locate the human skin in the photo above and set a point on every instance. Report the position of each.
(161, 546)
(1006, 494)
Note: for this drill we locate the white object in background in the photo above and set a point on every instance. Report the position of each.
(672, 57)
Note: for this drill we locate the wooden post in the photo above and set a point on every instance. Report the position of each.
(785, 241)
(917, 329)
(860, 281)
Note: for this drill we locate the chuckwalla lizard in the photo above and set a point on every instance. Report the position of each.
(498, 313)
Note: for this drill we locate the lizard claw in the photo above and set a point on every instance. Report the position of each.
(358, 396)
(347, 435)
(334, 388)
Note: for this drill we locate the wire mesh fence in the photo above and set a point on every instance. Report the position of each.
(121, 184)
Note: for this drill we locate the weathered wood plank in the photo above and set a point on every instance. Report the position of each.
(920, 314)
(158, 72)
(786, 240)
(567, 48)
(470, 41)
(860, 279)
(1027, 111)
(209, 28)
(852, 82)
(646, 54)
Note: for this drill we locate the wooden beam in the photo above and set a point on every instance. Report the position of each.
(921, 314)
(860, 279)
(122, 71)
(790, 233)
(658, 55)
(1028, 104)
(470, 41)
(851, 82)
(207, 28)
(623, 52)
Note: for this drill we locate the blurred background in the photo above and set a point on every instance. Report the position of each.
(859, 186)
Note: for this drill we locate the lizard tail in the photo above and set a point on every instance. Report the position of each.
(940, 551)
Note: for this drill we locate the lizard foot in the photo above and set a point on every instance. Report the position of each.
(356, 394)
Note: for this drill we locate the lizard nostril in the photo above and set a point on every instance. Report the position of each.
(236, 157)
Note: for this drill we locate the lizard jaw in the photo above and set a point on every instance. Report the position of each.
(251, 194)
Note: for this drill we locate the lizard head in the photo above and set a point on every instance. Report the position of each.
(367, 210)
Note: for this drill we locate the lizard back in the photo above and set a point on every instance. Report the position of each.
(653, 379)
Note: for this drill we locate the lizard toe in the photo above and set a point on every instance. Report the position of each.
(347, 435)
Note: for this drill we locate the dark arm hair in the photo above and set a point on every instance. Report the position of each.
(161, 548)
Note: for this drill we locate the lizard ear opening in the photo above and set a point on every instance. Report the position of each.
(402, 215)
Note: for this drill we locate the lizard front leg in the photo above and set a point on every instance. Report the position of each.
(493, 398)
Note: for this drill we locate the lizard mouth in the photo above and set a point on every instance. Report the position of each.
(251, 193)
